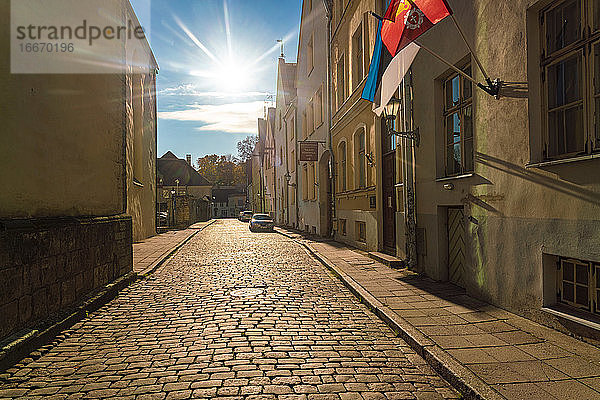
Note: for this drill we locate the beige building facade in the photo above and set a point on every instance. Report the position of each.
(507, 190)
(73, 144)
(314, 178)
(355, 129)
(286, 94)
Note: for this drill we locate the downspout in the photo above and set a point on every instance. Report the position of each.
(297, 153)
(408, 149)
(287, 183)
(329, 15)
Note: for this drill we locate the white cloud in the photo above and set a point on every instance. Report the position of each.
(231, 118)
(191, 90)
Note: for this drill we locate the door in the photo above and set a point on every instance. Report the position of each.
(389, 192)
(456, 246)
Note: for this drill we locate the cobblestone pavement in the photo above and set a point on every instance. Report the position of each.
(231, 315)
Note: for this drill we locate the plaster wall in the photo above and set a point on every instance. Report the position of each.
(141, 138)
(63, 138)
(514, 213)
(313, 28)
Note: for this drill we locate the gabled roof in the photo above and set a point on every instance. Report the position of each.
(171, 168)
(286, 85)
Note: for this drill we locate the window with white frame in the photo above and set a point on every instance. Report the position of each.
(311, 181)
(341, 81)
(310, 117)
(458, 123)
(318, 107)
(360, 160)
(570, 70)
(310, 62)
(342, 153)
(357, 57)
(305, 182)
(579, 284)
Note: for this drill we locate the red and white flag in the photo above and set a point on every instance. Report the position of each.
(406, 20)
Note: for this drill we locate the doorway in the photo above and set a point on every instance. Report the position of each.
(456, 246)
(389, 190)
(325, 195)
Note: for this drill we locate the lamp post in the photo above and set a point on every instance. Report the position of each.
(390, 113)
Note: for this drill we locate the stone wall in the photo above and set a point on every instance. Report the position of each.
(48, 265)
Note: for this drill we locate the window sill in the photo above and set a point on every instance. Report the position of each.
(562, 161)
(451, 178)
(562, 312)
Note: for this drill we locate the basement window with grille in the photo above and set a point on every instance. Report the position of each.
(578, 284)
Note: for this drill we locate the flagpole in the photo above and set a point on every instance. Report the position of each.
(448, 63)
(485, 75)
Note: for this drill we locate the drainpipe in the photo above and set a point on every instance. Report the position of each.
(408, 149)
(329, 15)
(297, 152)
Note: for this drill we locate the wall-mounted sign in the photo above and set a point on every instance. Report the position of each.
(309, 151)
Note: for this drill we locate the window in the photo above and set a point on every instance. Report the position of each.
(361, 231)
(310, 56)
(318, 107)
(311, 181)
(579, 284)
(389, 141)
(458, 126)
(310, 117)
(292, 163)
(304, 125)
(340, 85)
(343, 168)
(292, 127)
(360, 160)
(357, 57)
(343, 230)
(305, 182)
(571, 47)
(308, 6)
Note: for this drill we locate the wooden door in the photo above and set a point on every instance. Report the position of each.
(456, 246)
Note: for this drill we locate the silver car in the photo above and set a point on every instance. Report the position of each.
(261, 222)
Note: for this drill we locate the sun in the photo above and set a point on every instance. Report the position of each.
(232, 77)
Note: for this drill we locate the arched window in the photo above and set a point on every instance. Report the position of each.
(360, 161)
(342, 173)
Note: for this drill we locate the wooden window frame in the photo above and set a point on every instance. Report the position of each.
(592, 287)
(586, 44)
(460, 108)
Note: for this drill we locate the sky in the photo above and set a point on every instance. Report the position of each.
(218, 64)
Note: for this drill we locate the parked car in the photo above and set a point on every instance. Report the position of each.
(162, 218)
(246, 216)
(261, 222)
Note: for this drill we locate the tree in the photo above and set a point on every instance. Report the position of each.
(246, 147)
(222, 170)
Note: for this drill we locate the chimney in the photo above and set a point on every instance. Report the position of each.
(188, 158)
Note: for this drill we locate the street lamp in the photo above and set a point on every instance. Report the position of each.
(288, 178)
(390, 111)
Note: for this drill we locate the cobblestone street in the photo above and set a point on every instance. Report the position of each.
(231, 315)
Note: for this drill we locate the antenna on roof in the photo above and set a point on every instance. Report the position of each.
(268, 103)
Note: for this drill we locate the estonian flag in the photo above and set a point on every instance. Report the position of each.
(386, 72)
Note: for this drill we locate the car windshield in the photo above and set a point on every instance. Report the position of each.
(248, 213)
(262, 217)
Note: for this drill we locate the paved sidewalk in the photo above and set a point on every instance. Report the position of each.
(150, 253)
(486, 352)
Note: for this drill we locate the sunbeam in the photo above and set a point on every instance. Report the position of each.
(195, 40)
